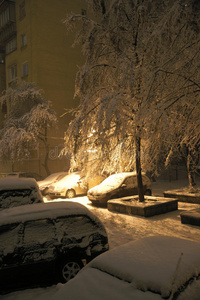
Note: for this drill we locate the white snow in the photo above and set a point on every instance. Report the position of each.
(36, 211)
(51, 178)
(122, 229)
(148, 264)
(13, 183)
(113, 182)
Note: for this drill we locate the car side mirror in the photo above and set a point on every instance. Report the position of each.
(123, 185)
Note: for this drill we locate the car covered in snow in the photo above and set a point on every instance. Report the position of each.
(47, 243)
(49, 180)
(36, 176)
(151, 268)
(16, 191)
(73, 184)
(116, 186)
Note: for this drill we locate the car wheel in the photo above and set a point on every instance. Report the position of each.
(70, 194)
(148, 193)
(69, 270)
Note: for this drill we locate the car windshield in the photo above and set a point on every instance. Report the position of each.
(114, 180)
(68, 180)
(11, 198)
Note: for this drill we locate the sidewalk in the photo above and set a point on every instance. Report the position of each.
(160, 186)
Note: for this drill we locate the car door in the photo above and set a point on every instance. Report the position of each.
(129, 186)
(39, 244)
(79, 186)
(10, 253)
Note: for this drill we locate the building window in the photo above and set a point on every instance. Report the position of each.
(12, 72)
(4, 17)
(24, 40)
(25, 69)
(83, 12)
(22, 10)
(11, 45)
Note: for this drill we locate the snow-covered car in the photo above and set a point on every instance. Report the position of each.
(49, 180)
(69, 186)
(16, 191)
(47, 243)
(151, 268)
(36, 176)
(116, 186)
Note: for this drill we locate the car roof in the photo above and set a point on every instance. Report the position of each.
(15, 183)
(127, 174)
(41, 211)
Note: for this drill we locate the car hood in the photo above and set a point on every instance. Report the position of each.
(101, 189)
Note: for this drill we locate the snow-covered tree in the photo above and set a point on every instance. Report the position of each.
(27, 121)
(174, 93)
(124, 83)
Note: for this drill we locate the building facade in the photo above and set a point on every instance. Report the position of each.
(34, 47)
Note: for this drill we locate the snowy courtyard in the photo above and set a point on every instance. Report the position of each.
(125, 228)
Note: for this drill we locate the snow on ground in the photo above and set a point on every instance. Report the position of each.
(124, 228)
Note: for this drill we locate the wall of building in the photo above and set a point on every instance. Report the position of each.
(52, 61)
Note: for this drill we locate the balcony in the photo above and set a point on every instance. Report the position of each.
(7, 20)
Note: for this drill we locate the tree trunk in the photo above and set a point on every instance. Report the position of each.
(138, 169)
(190, 170)
(46, 157)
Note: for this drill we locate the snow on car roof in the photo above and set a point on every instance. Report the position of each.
(155, 263)
(51, 177)
(13, 183)
(42, 210)
(147, 268)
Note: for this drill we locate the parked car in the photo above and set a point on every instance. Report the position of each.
(116, 186)
(151, 268)
(47, 243)
(36, 176)
(49, 180)
(69, 186)
(19, 191)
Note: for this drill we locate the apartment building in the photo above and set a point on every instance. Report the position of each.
(34, 47)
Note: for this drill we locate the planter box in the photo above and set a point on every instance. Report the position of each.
(150, 207)
(183, 196)
(191, 217)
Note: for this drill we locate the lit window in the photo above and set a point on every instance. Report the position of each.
(12, 72)
(24, 69)
(24, 40)
(11, 45)
(22, 10)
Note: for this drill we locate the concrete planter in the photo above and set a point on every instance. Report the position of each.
(150, 207)
(182, 196)
(191, 217)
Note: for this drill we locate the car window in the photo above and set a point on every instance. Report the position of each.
(12, 198)
(76, 226)
(9, 237)
(130, 182)
(39, 231)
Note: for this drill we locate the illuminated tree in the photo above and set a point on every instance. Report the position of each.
(174, 93)
(27, 121)
(129, 53)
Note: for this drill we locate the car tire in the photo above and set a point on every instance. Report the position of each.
(148, 193)
(69, 269)
(70, 193)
